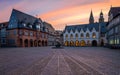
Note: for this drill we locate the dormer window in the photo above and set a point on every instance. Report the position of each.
(30, 26)
(24, 24)
(38, 26)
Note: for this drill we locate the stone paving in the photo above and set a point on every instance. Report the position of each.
(67, 61)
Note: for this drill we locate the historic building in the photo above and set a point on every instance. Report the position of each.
(113, 27)
(59, 36)
(51, 35)
(92, 34)
(3, 34)
(23, 30)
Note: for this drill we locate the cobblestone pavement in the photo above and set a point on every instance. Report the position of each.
(67, 61)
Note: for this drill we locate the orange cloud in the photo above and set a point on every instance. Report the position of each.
(78, 14)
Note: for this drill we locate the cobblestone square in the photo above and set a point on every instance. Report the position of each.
(67, 61)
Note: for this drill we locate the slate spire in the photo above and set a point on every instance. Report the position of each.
(91, 19)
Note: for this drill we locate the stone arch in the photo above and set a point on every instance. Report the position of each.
(31, 43)
(26, 42)
(82, 43)
(76, 43)
(39, 43)
(66, 43)
(71, 43)
(35, 43)
(45, 43)
(21, 42)
(94, 43)
(42, 42)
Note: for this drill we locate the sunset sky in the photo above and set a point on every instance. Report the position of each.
(58, 12)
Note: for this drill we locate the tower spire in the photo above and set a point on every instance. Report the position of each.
(101, 18)
(91, 19)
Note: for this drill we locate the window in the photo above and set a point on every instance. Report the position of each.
(87, 35)
(71, 36)
(26, 33)
(66, 36)
(11, 41)
(31, 33)
(3, 41)
(82, 36)
(38, 26)
(76, 36)
(30, 26)
(15, 32)
(20, 32)
(93, 35)
(24, 24)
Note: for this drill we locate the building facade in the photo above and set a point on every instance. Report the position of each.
(113, 27)
(59, 36)
(24, 30)
(51, 35)
(3, 34)
(92, 34)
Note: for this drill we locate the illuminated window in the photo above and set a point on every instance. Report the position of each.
(117, 41)
(93, 35)
(87, 35)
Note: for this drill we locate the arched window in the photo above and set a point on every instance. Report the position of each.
(81, 35)
(93, 35)
(71, 36)
(66, 36)
(76, 36)
(87, 35)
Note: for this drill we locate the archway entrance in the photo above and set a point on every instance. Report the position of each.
(35, 43)
(102, 42)
(26, 42)
(82, 43)
(45, 43)
(39, 43)
(66, 43)
(21, 42)
(94, 43)
(31, 43)
(71, 43)
(76, 43)
(42, 43)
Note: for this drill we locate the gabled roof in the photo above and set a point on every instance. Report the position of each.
(24, 17)
(82, 26)
(114, 11)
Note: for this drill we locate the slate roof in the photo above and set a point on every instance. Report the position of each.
(86, 26)
(114, 11)
(25, 18)
(82, 26)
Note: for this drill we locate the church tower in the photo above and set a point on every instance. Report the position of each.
(101, 18)
(91, 19)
